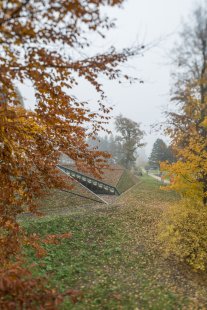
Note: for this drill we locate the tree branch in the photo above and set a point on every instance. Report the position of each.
(15, 13)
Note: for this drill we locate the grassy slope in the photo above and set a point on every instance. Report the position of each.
(113, 257)
(58, 201)
(126, 181)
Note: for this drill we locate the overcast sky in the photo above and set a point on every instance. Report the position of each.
(149, 21)
(146, 21)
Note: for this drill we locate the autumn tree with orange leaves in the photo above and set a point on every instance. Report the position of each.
(41, 41)
(187, 128)
(184, 230)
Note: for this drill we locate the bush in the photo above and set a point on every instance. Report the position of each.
(183, 232)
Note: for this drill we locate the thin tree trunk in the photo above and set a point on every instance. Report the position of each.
(205, 191)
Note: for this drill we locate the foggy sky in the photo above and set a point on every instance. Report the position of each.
(150, 22)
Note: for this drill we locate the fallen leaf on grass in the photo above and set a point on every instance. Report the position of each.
(55, 239)
(75, 295)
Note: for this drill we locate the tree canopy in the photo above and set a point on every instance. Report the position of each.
(42, 41)
(130, 136)
(160, 152)
(187, 128)
(38, 40)
(184, 232)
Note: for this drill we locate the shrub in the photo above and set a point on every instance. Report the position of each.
(183, 232)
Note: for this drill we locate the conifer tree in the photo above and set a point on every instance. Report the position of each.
(160, 153)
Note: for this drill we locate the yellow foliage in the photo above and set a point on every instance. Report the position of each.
(188, 173)
(204, 123)
(183, 232)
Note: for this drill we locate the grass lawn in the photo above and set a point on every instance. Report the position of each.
(113, 257)
(154, 171)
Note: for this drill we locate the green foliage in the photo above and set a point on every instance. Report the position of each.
(129, 136)
(183, 233)
(160, 152)
(123, 146)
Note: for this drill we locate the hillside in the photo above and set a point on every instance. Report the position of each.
(113, 259)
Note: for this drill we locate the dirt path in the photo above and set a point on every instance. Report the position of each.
(159, 178)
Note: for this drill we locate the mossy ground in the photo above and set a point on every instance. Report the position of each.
(113, 257)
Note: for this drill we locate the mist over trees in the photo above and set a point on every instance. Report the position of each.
(130, 137)
(109, 144)
(124, 145)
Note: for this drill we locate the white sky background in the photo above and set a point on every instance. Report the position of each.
(145, 21)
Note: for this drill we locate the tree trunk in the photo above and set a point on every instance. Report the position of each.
(205, 191)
